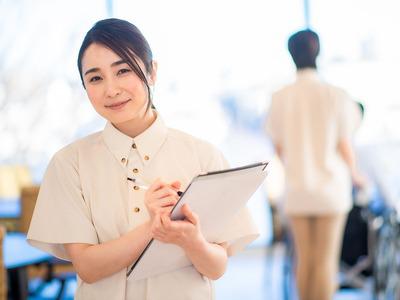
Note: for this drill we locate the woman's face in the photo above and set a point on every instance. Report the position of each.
(113, 88)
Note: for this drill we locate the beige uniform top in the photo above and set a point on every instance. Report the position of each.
(85, 197)
(307, 119)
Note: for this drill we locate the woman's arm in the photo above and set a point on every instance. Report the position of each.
(95, 262)
(209, 259)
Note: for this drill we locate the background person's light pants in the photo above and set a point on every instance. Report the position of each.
(317, 241)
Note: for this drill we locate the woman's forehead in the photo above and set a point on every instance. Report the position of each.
(97, 55)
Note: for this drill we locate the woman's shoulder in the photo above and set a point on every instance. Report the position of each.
(184, 138)
(71, 151)
(208, 155)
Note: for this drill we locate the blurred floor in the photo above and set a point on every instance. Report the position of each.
(255, 274)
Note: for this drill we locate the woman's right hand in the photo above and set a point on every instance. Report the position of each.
(161, 197)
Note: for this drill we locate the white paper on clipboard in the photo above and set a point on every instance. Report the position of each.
(216, 198)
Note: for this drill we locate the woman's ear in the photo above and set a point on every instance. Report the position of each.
(153, 75)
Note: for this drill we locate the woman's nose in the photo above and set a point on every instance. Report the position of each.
(113, 89)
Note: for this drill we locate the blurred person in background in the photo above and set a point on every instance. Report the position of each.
(311, 124)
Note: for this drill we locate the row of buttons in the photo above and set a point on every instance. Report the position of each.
(146, 157)
(135, 170)
(124, 160)
(136, 188)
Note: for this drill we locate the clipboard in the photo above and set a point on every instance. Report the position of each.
(216, 197)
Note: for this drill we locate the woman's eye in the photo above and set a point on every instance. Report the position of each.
(122, 71)
(95, 78)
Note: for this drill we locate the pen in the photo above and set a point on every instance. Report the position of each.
(145, 187)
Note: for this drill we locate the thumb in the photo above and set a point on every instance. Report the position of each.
(190, 215)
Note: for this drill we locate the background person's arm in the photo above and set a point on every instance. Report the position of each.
(278, 150)
(345, 148)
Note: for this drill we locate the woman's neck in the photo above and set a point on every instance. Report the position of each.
(136, 126)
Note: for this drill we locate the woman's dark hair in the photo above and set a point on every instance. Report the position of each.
(126, 40)
(304, 48)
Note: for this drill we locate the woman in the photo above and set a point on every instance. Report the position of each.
(311, 124)
(88, 212)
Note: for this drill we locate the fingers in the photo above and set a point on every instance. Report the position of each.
(176, 185)
(157, 227)
(162, 189)
(181, 233)
(164, 202)
(170, 201)
(156, 185)
(189, 214)
(165, 191)
(161, 206)
(171, 227)
(164, 229)
(165, 221)
(161, 197)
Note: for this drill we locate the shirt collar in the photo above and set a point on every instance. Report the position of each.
(147, 143)
(150, 141)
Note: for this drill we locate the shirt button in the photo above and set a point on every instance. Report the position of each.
(146, 157)
(123, 160)
(134, 146)
(136, 209)
(136, 188)
(135, 170)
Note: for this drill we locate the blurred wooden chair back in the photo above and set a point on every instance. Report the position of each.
(3, 274)
(12, 179)
(29, 195)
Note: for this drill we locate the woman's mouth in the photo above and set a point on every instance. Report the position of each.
(117, 105)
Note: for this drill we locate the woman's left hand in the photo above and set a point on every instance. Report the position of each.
(184, 233)
(209, 259)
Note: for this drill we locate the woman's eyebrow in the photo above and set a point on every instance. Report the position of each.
(119, 62)
(93, 70)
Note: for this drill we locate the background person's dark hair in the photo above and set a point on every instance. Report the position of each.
(126, 40)
(304, 48)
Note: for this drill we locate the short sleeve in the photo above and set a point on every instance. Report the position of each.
(349, 116)
(211, 159)
(61, 214)
(241, 230)
(272, 125)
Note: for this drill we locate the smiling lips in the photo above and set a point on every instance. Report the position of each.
(117, 105)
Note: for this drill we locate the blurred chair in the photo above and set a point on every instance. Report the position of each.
(274, 186)
(3, 274)
(12, 179)
(29, 195)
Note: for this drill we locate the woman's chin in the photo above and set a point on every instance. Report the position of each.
(122, 119)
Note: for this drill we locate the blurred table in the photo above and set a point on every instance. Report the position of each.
(10, 208)
(18, 254)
